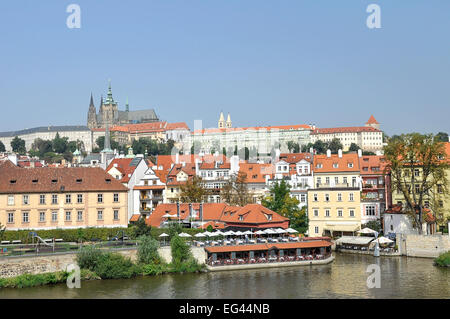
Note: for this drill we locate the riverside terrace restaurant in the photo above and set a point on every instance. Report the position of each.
(267, 253)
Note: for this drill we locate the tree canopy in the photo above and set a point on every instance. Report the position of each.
(235, 190)
(18, 145)
(193, 191)
(2, 147)
(417, 165)
(280, 201)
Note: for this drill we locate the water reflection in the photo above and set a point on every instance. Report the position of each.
(345, 278)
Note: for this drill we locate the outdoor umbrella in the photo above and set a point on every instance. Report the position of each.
(200, 235)
(260, 232)
(217, 233)
(239, 233)
(292, 231)
(184, 235)
(163, 235)
(384, 240)
(207, 233)
(366, 231)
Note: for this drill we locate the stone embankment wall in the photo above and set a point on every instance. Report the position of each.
(15, 266)
(429, 246)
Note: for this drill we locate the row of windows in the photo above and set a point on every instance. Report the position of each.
(340, 213)
(54, 199)
(54, 216)
(336, 180)
(339, 196)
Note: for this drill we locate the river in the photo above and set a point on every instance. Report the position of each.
(346, 277)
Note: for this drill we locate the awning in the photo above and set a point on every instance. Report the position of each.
(342, 227)
(354, 240)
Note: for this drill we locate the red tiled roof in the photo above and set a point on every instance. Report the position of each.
(256, 172)
(123, 166)
(67, 179)
(135, 217)
(253, 128)
(293, 158)
(343, 162)
(259, 247)
(372, 162)
(178, 125)
(351, 129)
(252, 214)
(372, 120)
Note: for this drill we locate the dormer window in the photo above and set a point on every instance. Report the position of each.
(34, 181)
(269, 217)
(108, 180)
(13, 181)
(54, 181)
(319, 165)
(79, 180)
(350, 165)
(335, 165)
(241, 218)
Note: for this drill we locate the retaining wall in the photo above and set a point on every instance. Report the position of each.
(429, 246)
(15, 266)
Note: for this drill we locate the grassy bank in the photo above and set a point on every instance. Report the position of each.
(33, 280)
(443, 260)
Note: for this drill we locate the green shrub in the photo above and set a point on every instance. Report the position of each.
(154, 269)
(115, 266)
(443, 260)
(180, 250)
(88, 257)
(147, 252)
(31, 280)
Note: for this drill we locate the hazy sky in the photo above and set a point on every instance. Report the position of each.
(265, 62)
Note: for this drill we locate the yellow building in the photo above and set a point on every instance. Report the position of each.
(334, 206)
(50, 198)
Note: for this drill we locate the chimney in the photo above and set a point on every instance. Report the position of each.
(328, 153)
(340, 153)
(200, 215)
(190, 209)
(178, 209)
(197, 172)
(359, 153)
(177, 158)
(311, 150)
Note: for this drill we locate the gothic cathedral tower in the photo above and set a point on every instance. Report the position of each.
(92, 115)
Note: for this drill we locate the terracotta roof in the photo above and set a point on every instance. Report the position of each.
(50, 180)
(178, 125)
(135, 217)
(123, 166)
(293, 158)
(375, 164)
(351, 129)
(256, 172)
(215, 225)
(252, 214)
(372, 120)
(342, 163)
(211, 211)
(212, 165)
(259, 247)
(253, 128)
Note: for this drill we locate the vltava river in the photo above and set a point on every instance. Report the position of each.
(346, 277)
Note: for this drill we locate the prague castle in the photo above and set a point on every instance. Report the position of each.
(110, 115)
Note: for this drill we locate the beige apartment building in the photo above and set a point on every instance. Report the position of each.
(50, 198)
(334, 204)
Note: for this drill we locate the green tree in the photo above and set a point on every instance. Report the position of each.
(373, 224)
(280, 201)
(353, 147)
(18, 145)
(2, 147)
(193, 191)
(320, 147)
(141, 228)
(335, 145)
(306, 148)
(235, 190)
(60, 144)
(441, 137)
(2, 231)
(180, 250)
(209, 228)
(293, 147)
(417, 164)
(100, 141)
(147, 252)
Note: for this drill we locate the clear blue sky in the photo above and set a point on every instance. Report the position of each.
(265, 62)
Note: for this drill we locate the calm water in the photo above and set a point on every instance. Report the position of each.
(346, 277)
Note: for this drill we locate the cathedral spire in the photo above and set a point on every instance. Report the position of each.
(92, 101)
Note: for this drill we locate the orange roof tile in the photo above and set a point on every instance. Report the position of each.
(253, 128)
(372, 164)
(342, 163)
(350, 129)
(256, 173)
(293, 158)
(372, 120)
